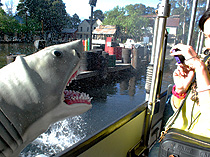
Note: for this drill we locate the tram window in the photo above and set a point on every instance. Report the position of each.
(117, 83)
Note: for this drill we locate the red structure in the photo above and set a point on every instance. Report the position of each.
(112, 49)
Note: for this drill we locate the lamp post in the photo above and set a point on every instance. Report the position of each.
(92, 4)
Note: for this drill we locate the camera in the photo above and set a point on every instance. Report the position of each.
(179, 58)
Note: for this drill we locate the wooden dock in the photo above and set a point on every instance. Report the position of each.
(118, 67)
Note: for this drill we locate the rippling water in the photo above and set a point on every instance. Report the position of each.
(59, 136)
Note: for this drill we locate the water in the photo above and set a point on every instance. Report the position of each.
(111, 100)
(14, 48)
(59, 136)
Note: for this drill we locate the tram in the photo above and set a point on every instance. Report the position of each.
(136, 133)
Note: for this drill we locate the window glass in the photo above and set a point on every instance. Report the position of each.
(113, 67)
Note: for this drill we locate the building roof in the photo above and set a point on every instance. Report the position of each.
(150, 16)
(67, 30)
(88, 20)
(105, 29)
(172, 22)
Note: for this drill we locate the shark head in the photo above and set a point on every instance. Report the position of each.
(57, 66)
(35, 94)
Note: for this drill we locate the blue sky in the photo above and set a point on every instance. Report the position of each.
(83, 9)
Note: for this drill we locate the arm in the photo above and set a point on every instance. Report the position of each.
(192, 63)
(182, 76)
(203, 81)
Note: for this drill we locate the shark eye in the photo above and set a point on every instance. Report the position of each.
(58, 53)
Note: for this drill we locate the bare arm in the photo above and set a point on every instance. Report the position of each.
(203, 81)
(183, 75)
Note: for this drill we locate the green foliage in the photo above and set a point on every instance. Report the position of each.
(8, 24)
(75, 21)
(129, 19)
(31, 26)
(98, 14)
(114, 17)
(51, 13)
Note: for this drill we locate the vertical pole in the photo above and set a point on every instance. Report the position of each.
(151, 64)
(192, 22)
(163, 14)
(91, 25)
(42, 29)
(201, 35)
(198, 42)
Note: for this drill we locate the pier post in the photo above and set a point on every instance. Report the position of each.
(39, 44)
(105, 61)
(135, 62)
(126, 55)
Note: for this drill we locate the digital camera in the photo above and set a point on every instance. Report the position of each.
(179, 58)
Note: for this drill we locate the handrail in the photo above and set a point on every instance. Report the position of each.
(163, 14)
(151, 64)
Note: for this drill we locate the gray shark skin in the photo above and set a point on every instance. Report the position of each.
(32, 95)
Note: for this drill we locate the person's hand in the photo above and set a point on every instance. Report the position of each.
(183, 76)
(188, 52)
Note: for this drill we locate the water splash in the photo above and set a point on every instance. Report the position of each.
(60, 136)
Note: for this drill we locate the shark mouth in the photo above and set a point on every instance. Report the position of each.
(72, 97)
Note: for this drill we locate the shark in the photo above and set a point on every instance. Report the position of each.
(33, 94)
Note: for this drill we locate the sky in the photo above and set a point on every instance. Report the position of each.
(83, 9)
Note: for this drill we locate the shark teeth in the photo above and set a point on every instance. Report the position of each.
(72, 97)
(73, 77)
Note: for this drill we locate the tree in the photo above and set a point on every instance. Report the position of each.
(114, 17)
(8, 24)
(30, 25)
(98, 14)
(184, 8)
(75, 21)
(129, 19)
(51, 13)
(139, 9)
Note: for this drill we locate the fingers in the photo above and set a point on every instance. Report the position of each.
(183, 71)
(185, 50)
(178, 46)
(183, 77)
